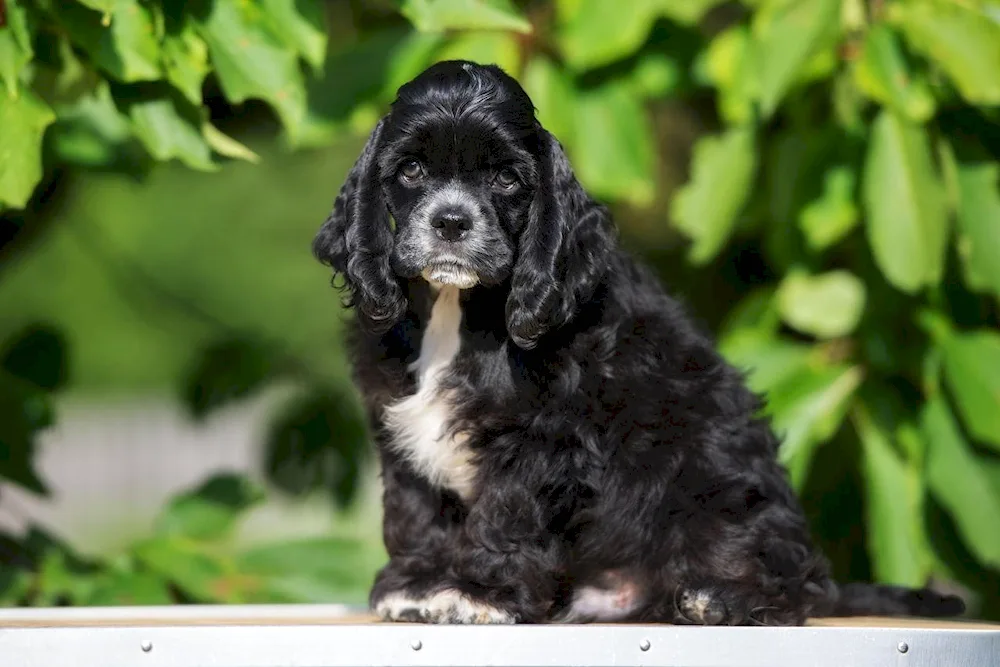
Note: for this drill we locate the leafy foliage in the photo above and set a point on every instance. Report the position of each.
(838, 211)
(318, 443)
(190, 556)
(32, 365)
(141, 66)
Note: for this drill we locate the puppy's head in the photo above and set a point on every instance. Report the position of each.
(459, 185)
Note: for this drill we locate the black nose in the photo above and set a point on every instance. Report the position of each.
(451, 225)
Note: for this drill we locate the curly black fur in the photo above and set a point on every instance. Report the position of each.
(613, 449)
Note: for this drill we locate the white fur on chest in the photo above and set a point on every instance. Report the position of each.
(419, 422)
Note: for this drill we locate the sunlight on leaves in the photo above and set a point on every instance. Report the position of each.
(907, 224)
(825, 305)
(722, 173)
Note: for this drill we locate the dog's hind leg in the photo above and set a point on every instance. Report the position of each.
(614, 596)
(719, 604)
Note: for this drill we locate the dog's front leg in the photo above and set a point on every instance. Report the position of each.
(506, 563)
(420, 529)
(494, 562)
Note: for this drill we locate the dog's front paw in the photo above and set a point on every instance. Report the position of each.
(451, 606)
(702, 607)
(401, 608)
(719, 606)
(447, 606)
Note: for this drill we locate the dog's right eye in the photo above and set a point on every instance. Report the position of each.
(411, 171)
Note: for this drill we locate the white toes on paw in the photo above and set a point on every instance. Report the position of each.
(399, 607)
(448, 606)
(451, 606)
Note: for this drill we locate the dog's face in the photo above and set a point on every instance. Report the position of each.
(459, 168)
(460, 185)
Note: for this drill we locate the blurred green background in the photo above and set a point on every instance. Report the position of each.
(816, 179)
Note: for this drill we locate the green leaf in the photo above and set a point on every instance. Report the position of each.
(728, 63)
(37, 354)
(105, 7)
(757, 312)
(958, 479)
(788, 34)
(485, 48)
(797, 161)
(827, 305)
(722, 173)
(62, 77)
(600, 32)
(961, 39)
(594, 33)
(655, 75)
(62, 579)
(225, 371)
(92, 133)
(849, 104)
(408, 57)
(792, 177)
(972, 369)
(807, 411)
(24, 410)
(252, 62)
(895, 499)
(313, 555)
(185, 59)
(359, 78)
(22, 125)
(768, 361)
(979, 223)
(115, 589)
(319, 442)
(302, 24)
(167, 130)
(553, 94)
(16, 21)
(884, 75)
(15, 46)
(195, 571)
(121, 39)
(904, 198)
(687, 12)
(210, 511)
(225, 145)
(441, 15)
(15, 586)
(830, 217)
(310, 570)
(614, 157)
(948, 163)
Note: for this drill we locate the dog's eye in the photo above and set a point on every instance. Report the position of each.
(411, 170)
(505, 179)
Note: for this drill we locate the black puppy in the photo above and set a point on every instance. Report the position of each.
(557, 440)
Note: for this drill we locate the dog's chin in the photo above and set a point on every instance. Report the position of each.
(444, 274)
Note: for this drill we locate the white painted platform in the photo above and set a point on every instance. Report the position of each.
(338, 636)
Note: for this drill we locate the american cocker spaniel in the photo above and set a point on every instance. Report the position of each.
(558, 441)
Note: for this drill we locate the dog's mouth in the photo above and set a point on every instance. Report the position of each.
(450, 272)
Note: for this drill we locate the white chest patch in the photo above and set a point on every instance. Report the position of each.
(419, 422)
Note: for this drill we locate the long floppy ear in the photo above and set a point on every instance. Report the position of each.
(563, 252)
(356, 241)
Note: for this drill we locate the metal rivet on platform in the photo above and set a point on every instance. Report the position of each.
(416, 645)
(902, 647)
(146, 646)
(644, 645)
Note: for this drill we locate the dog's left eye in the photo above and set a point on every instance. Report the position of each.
(505, 179)
(411, 170)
